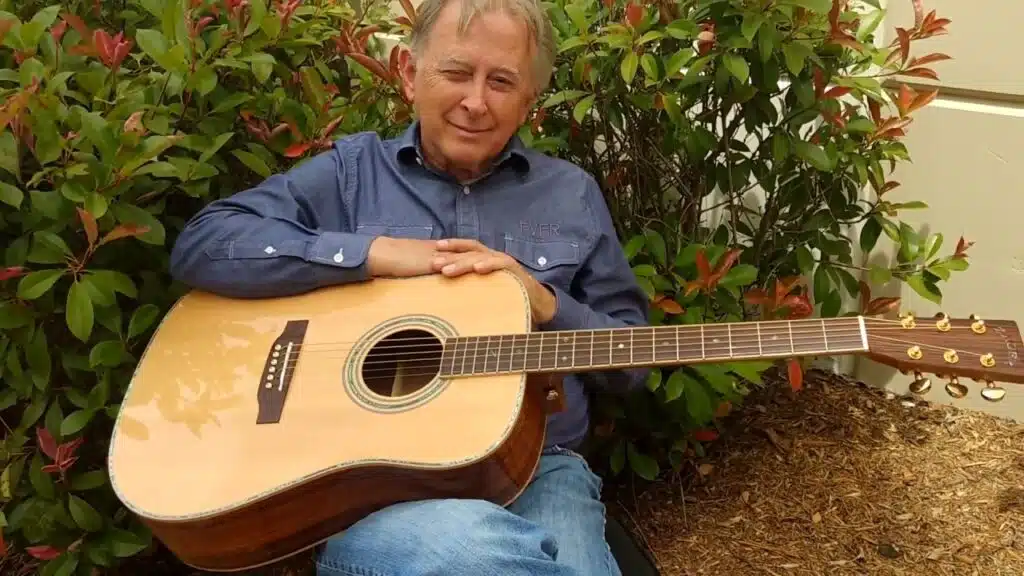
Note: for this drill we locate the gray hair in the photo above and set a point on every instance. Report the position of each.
(537, 23)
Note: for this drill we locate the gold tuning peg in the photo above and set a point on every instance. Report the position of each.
(992, 392)
(920, 385)
(955, 389)
(977, 324)
(907, 320)
(942, 322)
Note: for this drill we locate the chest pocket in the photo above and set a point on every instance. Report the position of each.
(414, 231)
(554, 262)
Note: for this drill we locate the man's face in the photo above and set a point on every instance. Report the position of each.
(471, 92)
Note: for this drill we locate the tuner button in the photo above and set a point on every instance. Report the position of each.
(992, 392)
(955, 389)
(920, 385)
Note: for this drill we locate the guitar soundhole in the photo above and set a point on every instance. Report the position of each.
(402, 363)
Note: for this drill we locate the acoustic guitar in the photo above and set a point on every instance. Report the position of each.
(255, 429)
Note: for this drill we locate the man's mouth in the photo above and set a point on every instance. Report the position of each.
(469, 130)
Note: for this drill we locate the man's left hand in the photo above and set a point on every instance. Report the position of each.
(460, 256)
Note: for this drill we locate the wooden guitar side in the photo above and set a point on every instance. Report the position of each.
(225, 492)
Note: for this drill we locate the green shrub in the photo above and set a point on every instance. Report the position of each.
(743, 148)
(110, 142)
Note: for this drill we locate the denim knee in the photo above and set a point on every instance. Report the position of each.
(450, 537)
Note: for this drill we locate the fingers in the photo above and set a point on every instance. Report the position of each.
(477, 262)
(461, 245)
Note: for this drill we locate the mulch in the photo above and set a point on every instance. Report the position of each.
(837, 479)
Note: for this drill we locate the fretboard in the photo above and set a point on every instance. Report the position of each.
(586, 350)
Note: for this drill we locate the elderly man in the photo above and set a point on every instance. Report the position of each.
(457, 194)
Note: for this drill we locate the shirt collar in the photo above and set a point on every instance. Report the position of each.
(514, 153)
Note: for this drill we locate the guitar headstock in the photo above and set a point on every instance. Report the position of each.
(987, 351)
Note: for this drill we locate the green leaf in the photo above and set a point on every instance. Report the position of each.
(618, 457)
(644, 466)
(926, 290)
(79, 311)
(89, 480)
(739, 275)
(653, 380)
(650, 67)
(205, 80)
(14, 315)
(628, 67)
(751, 23)
(645, 270)
(106, 353)
(85, 515)
(75, 421)
(563, 96)
(253, 162)
(142, 319)
(124, 543)
(794, 56)
(698, 403)
(674, 386)
(956, 264)
(656, 245)
(819, 6)
(813, 155)
(736, 66)
(11, 195)
(750, 370)
(869, 234)
(131, 214)
(35, 284)
(879, 275)
(262, 66)
(579, 112)
(804, 259)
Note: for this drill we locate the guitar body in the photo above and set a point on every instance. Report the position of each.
(256, 429)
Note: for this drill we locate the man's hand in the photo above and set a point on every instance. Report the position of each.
(401, 257)
(458, 256)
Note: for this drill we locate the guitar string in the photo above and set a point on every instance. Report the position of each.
(548, 339)
(434, 362)
(765, 324)
(737, 329)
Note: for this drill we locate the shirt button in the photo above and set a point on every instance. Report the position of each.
(542, 261)
(465, 189)
(269, 250)
(339, 257)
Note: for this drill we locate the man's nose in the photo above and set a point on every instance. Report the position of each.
(473, 99)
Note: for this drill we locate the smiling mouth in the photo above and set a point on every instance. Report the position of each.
(468, 130)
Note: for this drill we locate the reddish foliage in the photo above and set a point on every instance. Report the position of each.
(668, 305)
(124, 231)
(12, 272)
(89, 224)
(961, 247)
(43, 552)
(780, 301)
(706, 38)
(796, 374)
(707, 279)
(63, 455)
(705, 435)
(634, 14)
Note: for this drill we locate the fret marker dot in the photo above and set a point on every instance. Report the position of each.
(564, 358)
(621, 346)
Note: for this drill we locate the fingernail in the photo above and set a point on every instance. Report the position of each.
(448, 269)
(442, 243)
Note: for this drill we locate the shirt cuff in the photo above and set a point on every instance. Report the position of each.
(570, 314)
(341, 250)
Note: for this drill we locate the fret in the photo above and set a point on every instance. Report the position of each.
(666, 347)
(518, 356)
(775, 338)
(583, 349)
(491, 354)
(716, 341)
(642, 346)
(824, 333)
(745, 341)
(808, 337)
(843, 334)
(601, 349)
(448, 357)
(548, 345)
(564, 344)
(461, 348)
(505, 348)
(476, 354)
(621, 349)
(691, 343)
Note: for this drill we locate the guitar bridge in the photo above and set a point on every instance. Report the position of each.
(278, 370)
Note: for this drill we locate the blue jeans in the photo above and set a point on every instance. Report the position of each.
(555, 528)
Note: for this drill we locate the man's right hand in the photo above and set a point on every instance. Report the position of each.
(401, 257)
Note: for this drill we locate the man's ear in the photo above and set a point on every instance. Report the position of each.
(407, 70)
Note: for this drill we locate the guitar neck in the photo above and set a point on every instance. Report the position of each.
(617, 348)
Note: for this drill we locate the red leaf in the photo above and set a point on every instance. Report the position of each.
(3, 545)
(888, 186)
(904, 100)
(921, 73)
(837, 91)
(372, 65)
(46, 442)
(962, 245)
(881, 305)
(903, 37)
(11, 272)
(723, 409)
(410, 11)
(669, 306)
(124, 231)
(796, 374)
(923, 100)
(42, 552)
(297, 149)
(929, 59)
(89, 223)
(705, 435)
(634, 14)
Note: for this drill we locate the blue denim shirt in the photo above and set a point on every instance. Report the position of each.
(321, 216)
